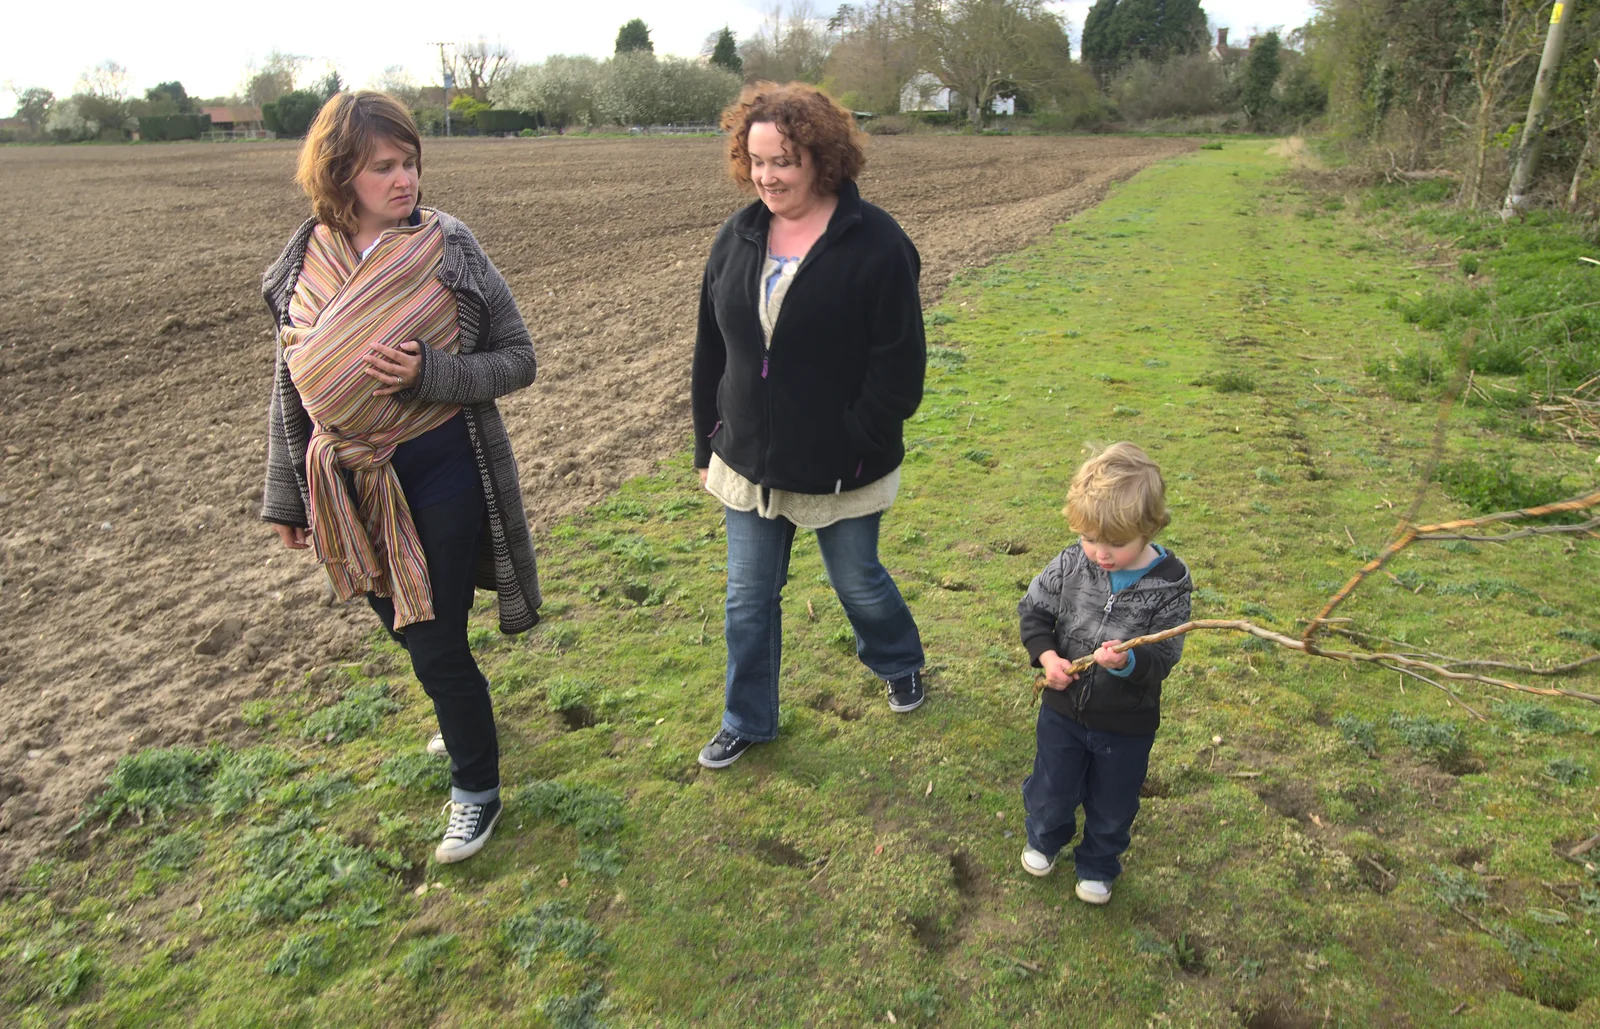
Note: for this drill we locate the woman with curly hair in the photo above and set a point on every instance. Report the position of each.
(808, 360)
(385, 450)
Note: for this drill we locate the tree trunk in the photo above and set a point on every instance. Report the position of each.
(1472, 187)
(1577, 174)
(975, 114)
(1588, 141)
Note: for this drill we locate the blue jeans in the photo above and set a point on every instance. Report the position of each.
(758, 566)
(1103, 771)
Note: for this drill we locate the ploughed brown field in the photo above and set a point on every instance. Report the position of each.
(141, 600)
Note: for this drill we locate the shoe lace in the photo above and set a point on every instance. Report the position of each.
(905, 684)
(463, 820)
(725, 739)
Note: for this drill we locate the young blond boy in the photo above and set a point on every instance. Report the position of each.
(1095, 729)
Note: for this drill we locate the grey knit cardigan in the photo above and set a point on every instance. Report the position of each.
(496, 358)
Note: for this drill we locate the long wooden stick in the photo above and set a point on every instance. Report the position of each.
(1379, 657)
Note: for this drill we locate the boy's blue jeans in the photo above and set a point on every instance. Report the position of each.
(1102, 771)
(758, 566)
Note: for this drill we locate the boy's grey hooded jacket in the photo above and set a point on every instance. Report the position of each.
(1069, 608)
(496, 358)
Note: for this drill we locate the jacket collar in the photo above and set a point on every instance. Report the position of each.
(754, 220)
(1168, 572)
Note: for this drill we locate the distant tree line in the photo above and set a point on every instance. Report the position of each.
(1143, 62)
(102, 106)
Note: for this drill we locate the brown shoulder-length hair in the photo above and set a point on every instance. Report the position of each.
(339, 144)
(808, 118)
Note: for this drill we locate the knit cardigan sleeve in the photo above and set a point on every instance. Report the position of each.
(288, 425)
(281, 500)
(503, 361)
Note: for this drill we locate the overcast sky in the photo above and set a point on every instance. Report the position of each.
(208, 47)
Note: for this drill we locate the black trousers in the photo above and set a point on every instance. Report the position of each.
(440, 656)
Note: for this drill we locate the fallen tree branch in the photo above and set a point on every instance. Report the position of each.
(1559, 507)
(1409, 533)
(1426, 175)
(1380, 658)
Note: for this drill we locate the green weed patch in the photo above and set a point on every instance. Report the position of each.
(359, 712)
(152, 784)
(293, 868)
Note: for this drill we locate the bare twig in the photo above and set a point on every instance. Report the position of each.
(1559, 311)
(1380, 869)
(1583, 848)
(1452, 697)
(1450, 662)
(1404, 532)
(1583, 503)
(1588, 527)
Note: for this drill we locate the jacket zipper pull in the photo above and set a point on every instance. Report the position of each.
(1109, 601)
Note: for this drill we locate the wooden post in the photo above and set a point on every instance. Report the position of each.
(1544, 88)
(448, 80)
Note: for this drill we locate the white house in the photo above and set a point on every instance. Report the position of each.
(924, 92)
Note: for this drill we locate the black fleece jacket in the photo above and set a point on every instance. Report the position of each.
(822, 409)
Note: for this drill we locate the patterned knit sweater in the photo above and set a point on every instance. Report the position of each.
(496, 358)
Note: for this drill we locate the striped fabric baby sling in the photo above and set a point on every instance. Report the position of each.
(342, 305)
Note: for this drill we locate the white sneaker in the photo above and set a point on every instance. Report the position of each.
(436, 746)
(469, 829)
(1035, 863)
(1091, 891)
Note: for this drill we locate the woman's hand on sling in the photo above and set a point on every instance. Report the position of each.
(293, 536)
(394, 368)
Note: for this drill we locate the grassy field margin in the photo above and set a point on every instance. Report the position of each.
(1318, 846)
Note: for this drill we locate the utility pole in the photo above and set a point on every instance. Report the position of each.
(1544, 88)
(449, 80)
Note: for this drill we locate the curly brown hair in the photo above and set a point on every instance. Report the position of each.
(809, 119)
(339, 144)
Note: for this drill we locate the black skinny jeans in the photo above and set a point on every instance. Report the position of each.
(440, 656)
